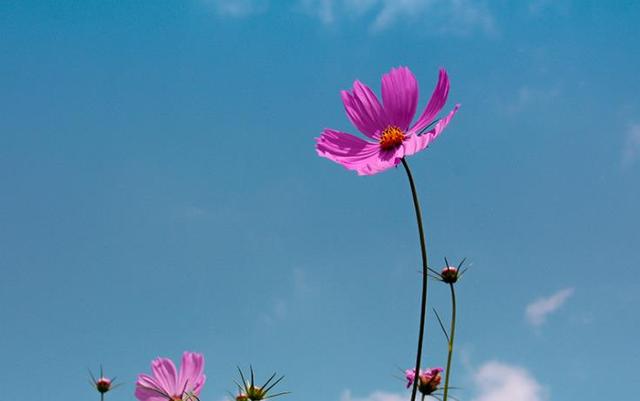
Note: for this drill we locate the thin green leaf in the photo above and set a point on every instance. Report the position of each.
(441, 325)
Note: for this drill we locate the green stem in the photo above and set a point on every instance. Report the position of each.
(452, 334)
(101, 396)
(423, 303)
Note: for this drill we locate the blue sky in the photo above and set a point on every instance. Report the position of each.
(161, 193)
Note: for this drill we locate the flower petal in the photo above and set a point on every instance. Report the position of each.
(364, 110)
(191, 376)
(436, 103)
(144, 394)
(415, 143)
(400, 96)
(166, 376)
(353, 153)
(148, 389)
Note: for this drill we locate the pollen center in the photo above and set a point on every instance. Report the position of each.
(391, 138)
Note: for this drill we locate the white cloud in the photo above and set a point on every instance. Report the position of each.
(439, 16)
(321, 9)
(399, 9)
(238, 8)
(497, 381)
(537, 311)
(631, 150)
(434, 16)
(375, 396)
(460, 17)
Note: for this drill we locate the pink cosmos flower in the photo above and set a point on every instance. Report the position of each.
(167, 384)
(387, 125)
(429, 379)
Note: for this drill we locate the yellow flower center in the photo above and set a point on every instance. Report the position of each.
(391, 138)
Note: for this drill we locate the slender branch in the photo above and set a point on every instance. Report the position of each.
(423, 303)
(452, 333)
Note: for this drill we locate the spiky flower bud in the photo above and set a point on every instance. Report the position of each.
(103, 385)
(250, 391)
(449, 274)
(255, 393)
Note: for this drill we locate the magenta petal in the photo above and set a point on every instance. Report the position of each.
(400, 96)
(147, 389)
(364, 110)
(191, 377)
(436, 103)
(165, 374)
(415, 143)
(356, 154)
(144, 394)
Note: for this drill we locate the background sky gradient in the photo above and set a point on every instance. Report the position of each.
(161, 193)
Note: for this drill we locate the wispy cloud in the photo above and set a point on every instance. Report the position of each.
(539, 7)
(374, 396)
(238, 8)
(278, 312)
(537, 311)
(458, 17)
(497, 381)
(440, 16)
(631, 149)
(528, 97)
(285, 304)
(324, 10)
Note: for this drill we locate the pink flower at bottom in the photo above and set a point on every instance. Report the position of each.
(387, 125)
(168, 384)
(429, 379)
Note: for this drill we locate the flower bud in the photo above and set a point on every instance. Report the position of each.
(103, 385)
(449, 274)
(256, 393)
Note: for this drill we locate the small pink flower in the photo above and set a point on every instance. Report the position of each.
(167, 384)
(387, 125)
(429, 379)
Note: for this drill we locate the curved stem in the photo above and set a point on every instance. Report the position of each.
(452, 334)
(423, 303)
